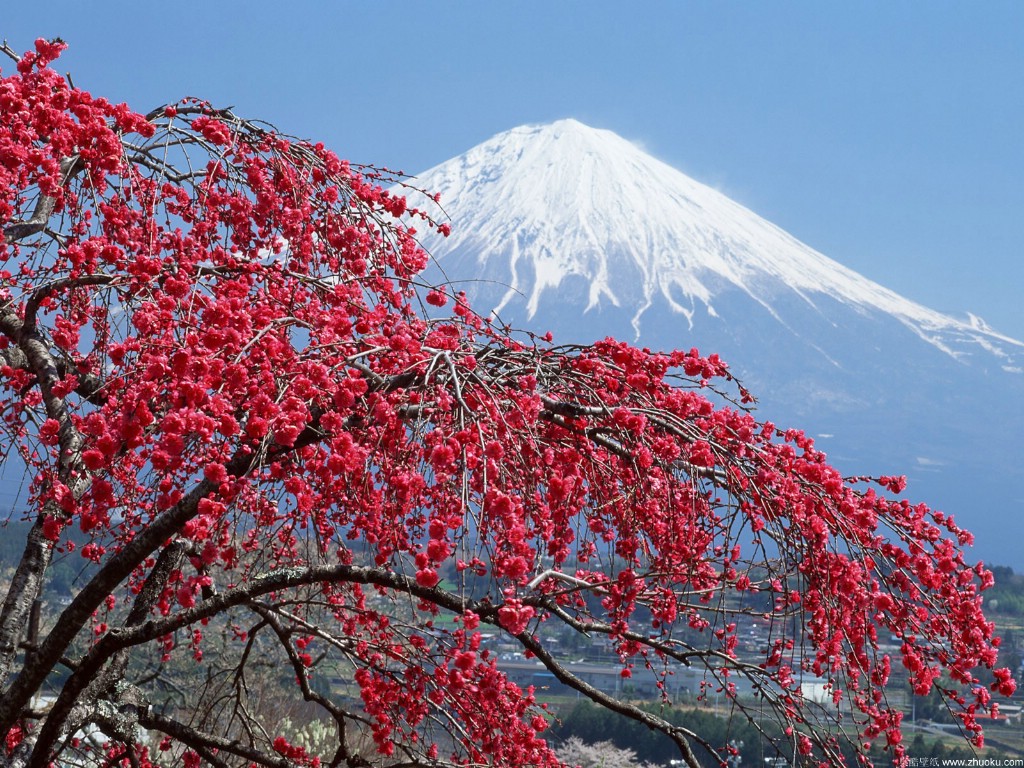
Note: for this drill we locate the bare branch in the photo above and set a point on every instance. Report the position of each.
(9, 52)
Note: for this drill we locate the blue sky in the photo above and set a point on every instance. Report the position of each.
(888, 136)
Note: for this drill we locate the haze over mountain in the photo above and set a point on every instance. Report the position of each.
(573, 229)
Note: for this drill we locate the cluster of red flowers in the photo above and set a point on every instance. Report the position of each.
(262, 346)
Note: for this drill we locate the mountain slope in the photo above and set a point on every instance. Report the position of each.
(575, 201)
(573, 229)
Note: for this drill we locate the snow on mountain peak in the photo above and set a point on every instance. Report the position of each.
(540, 204)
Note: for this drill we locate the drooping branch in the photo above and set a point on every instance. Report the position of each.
(134, 633)
(678, 734)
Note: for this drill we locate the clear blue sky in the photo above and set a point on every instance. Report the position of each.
(889, 136)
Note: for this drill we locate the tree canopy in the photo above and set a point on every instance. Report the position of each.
(294, 470)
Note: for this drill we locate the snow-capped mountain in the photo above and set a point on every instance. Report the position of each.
(576, 230)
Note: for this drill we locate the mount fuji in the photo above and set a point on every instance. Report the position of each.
(573, 229)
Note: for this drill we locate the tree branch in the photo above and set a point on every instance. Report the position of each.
(118, 639)
(9, 52)
(207, 742)
(19, 230)
(87, 684)
(677, 733)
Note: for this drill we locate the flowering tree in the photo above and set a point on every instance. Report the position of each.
(272, 447)
(603, 754)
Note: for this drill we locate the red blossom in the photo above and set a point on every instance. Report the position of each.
(244, 387)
